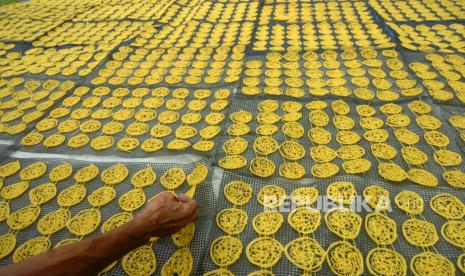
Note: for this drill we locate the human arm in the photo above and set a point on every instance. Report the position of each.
(163, 216)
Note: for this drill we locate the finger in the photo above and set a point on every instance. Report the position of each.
(185, 198)
(192, 217)
(168, 195)
(163, 196)
(195, 217)
(190, 208)
(192, 204)
(194, 207)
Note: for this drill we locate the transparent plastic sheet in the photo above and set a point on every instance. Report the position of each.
(250, 105)
(163, 249)
(138, 152)
(363, 242)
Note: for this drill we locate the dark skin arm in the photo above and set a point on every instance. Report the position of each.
(163, 216)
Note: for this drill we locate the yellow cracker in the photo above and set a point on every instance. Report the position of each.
(454, 178)
(324, 170)
(448, 206)
(42, 193)
(453, 232)
(10, 169)
(31, 248)
(71, 196)
(101, 196)
(298, 251)
(271, 196)
(343, 222)
(180, 263)
(115, 221)
(264, 252)
(292, 170)
(238, 192)
(422, 177)
(85, 222)
(232, 162)
(53, 221)
(225, 250)
(33, 171)
(23, 218)
(7, 244)
(409, 202)
(304, 220)
(356, 166)
(61, 172)
(344, 259)
(377, 197)
(341, 191)
(431, 263)
(173, 178)
(151, 145)
(114, 174)
(144, 177)
(384, 261)
(232, 221)
(381, 229)
(132, 200)
(140, 261)
(267, 223)
(304, 196)
(391, 172)
(14, 190)
(86, 173)
(262, 166)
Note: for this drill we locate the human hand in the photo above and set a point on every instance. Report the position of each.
(166, 214)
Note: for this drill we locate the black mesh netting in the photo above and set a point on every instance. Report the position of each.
(163, 249)
(322, 234)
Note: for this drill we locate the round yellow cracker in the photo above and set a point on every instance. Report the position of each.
(140, 261)
(31, 248)
(85, 222)
(225, 250)
(431, 263)
(264, 252)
